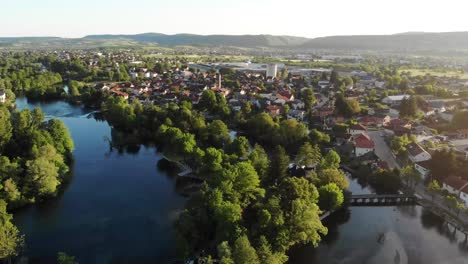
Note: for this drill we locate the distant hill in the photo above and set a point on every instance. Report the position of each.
(408, 41)
(209, 40)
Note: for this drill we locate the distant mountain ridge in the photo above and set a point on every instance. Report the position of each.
(408, 41)
(210, 40)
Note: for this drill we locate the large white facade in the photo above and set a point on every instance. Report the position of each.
(272, 70)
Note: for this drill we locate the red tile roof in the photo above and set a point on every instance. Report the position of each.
(363, 141)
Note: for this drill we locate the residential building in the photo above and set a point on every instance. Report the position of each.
(2, 96)
(423, 168)
(417, 154)
(394, 100)
(357, 129)
(362, 144)
(272, 70)
(274, 110)
(457, 186)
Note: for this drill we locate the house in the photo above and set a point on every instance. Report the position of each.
(274, 110)
(399, 126)
(2, 96)
(458, 186)
(362, 144)
(437, 106)
(286, 96)
(464, 195)
(462, 133)
(394, 100)
(417, 154)
(296, 114)
(378, 120)
(453, 184)
(324, 84)
(119, 93)
(357, 129)
(423, 168)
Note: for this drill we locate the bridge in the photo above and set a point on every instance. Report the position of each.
(382, 199)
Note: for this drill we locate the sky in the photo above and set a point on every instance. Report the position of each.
(307, 18)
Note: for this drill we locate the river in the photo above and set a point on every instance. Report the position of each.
(119, 208)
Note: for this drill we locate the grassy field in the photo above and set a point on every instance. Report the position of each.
(439, 73)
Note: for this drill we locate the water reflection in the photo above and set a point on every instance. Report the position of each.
(396, 234)
(118, 206)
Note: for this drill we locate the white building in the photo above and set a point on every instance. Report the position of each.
(423, 168)
(456, 186)
(2, 96)
(357, 129)
(417, 154)
(394, 99)
(272, 70)
(363, 144)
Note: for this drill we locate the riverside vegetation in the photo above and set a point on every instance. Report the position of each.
(251, 208)
(34, 157)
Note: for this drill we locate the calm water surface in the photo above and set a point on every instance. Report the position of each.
(119, 208)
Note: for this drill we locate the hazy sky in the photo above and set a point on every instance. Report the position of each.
(309, 18)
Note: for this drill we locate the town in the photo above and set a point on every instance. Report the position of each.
(398, 125)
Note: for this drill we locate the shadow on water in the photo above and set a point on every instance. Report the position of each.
(117, 207)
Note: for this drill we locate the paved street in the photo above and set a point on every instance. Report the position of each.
(438, 201)
(382, 150)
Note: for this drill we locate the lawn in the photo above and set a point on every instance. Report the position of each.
(435, 72)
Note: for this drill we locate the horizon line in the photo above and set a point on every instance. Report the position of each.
(207, 35)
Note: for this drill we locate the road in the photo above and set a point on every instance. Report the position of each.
(438, 201)
(382, 150)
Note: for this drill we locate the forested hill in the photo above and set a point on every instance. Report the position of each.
(209, 40)
(416, 41)
(412, 41)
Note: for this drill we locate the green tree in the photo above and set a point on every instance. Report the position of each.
(243, 252)
(42, 177)
(308, 155)
(318, 137)
(62, 142)
(452, 202)
(330, 197)
(331, 160)
(212, 160)
(266, 255)
(241, 147)
(5, 127)
(12, 194)
(63, 258)
(11, 241)
(433, 188)
(410, 175)
(443, 163)
(218, 134)
(241, 183)
(335, 176)
(309, 99)
(208, 100)
(260, 161)
(279, 164)
(409, 107)
(292, 134)
(225, 253)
